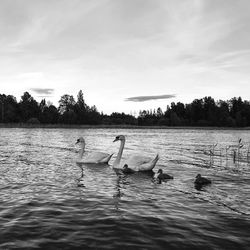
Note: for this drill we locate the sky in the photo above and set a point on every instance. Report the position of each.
(125, 55)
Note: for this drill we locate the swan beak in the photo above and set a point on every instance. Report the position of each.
(116, 139)
(77, 141)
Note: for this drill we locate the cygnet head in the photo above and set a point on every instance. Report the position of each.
(160, 171)
(198, 176)
(119, 138)
(125, 166)
(80, 140)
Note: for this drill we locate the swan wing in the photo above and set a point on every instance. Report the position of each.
(132, 162)
(97, 157)
(142, 163)
(137, 160)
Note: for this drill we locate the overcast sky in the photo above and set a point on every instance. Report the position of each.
(125, 55)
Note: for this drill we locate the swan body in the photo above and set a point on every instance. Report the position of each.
(136, 162)
(92, 158)
(201, 180)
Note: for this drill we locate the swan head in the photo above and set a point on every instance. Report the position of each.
(119, 138)
(80, 140)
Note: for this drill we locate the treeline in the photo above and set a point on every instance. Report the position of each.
(201, 112)
(69, 111)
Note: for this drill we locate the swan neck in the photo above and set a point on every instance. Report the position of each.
(119, 155)
(82, 150)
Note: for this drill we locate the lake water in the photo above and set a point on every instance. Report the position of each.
(46, 204)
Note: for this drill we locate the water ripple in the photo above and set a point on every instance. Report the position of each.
(50, 202)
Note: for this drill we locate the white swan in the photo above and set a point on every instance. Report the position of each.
(92, 158)
(136, 162)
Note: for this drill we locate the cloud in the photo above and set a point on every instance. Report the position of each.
(43, 91)
(148, 98)
(194, 48)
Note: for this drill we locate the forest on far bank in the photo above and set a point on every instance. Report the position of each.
(203, 112)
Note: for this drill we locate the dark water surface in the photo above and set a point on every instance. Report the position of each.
(46, 204)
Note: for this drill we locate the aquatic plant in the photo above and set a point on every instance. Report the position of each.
(239, 146)
(248, 153)
(237, 151)
(211, 151)
(227, 148)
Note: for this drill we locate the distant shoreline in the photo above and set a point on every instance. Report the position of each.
(76, 126)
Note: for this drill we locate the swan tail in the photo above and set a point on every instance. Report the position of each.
(110, 157)
(149, 165)
(107, 159)
(154, 161)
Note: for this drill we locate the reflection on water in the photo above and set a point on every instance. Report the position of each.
(50, 202)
